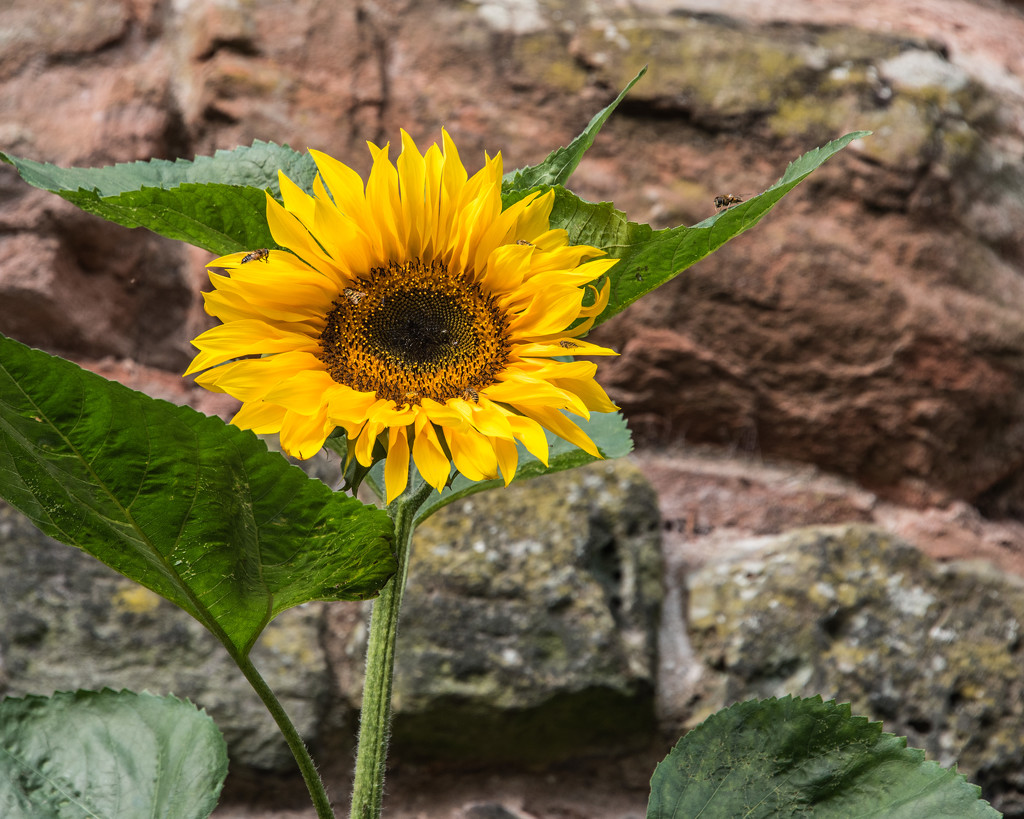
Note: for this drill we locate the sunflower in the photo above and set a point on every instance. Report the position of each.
(414, 313)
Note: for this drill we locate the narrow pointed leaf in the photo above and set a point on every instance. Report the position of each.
(649, 257)
(560, 163)
(214, 202)
(108, 755)
(803, 757)
(196, 510)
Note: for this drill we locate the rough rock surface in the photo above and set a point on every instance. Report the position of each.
(892, 357)
(530, 621)
(69, 622)
(854, 613)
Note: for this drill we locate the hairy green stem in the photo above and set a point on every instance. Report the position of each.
(298, 748)
(375, 720)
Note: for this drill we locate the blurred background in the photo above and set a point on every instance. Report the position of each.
(827, 495)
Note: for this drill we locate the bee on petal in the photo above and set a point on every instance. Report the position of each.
(261, 255)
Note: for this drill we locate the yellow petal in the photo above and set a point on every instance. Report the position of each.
(411, 180)
(246, 337)
(590, 392)
(508, 458)
(519, 390)
(364, 442)
(302, 436)
(484, 416)
(302, 390)
(260, 417)
(453, 181)
(442, 414)
(349, 246)
(500, 231)
(472, 454)
(349, 408)
(396, 467)
(548, 313)
(345, 185)
(382, 197)
(289, 232)
(566, 345)
(252, 378)
(430, 459)
(432, 176)
(504, 272)
(296, 199)
(555, 421)
(533, 222)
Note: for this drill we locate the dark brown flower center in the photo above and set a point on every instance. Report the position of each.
(414, 331)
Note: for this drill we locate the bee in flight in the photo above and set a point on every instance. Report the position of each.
(257, 255)
(726, 200)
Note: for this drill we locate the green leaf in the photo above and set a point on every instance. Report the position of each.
(196, 510)
(797, 757)
(649, 257)
(560, 163)
(606, 429)
(253, 166)
(217, 203)
(108, 755)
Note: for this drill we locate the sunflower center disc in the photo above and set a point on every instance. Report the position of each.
(425, 328)
(414, 331)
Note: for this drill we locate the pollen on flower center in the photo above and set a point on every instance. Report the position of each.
(415, 330)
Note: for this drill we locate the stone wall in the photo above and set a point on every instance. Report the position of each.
(857, 358)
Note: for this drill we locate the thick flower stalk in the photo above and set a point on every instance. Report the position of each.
(414, 313)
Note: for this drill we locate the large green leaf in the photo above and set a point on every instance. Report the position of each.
(108, 755)
(214, 202)
(649, 257)
(802, 757)
(198, 511)
(561, 162)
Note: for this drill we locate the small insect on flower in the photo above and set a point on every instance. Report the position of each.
(727, 200)
(261, 255)
(524, 242)
(470, 394)
(353, 295)
(567, 344)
